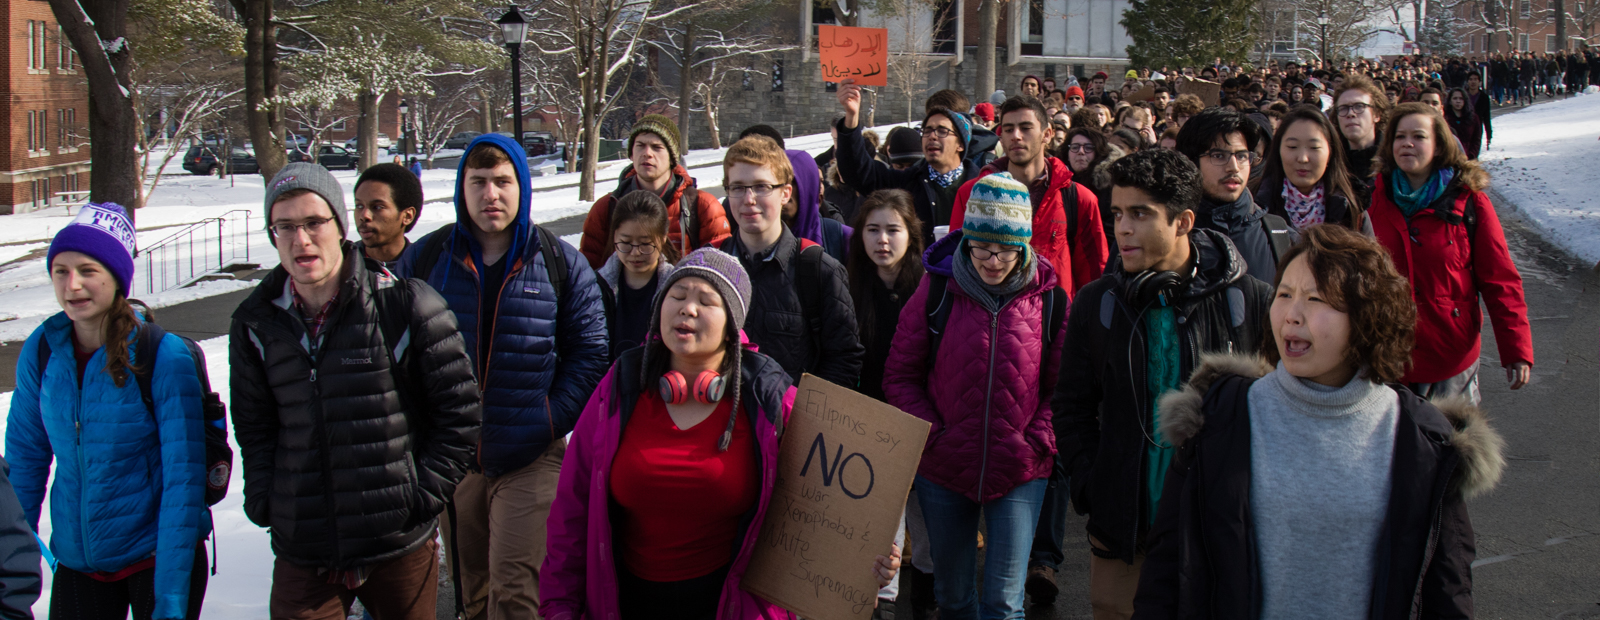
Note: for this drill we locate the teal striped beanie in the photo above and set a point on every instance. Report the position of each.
(998, 211)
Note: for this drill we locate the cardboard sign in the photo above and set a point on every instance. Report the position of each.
(1210, 93)
(845, 468)
(1147, 93)
(860, 53)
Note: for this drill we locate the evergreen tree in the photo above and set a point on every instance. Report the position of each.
(1178, 33)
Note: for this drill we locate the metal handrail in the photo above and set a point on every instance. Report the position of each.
(198, 250)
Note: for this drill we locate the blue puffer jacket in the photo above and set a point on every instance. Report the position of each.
(529, 399)
(128, 486)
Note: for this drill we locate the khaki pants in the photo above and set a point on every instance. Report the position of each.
(500, 530)
(405, 588)
(1112, 584)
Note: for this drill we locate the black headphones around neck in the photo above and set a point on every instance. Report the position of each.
(1153, 288)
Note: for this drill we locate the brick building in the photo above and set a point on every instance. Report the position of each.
(1048, 38)
(44, 149)
(1526, 25)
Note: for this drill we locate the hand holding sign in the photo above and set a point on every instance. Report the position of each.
(844, 471)
(860, 53)
(850, 99)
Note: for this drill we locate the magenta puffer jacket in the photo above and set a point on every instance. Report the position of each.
(578, 580)
(983, 394)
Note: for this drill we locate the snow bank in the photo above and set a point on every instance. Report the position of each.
(1544, 163)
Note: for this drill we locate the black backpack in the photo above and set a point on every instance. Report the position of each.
(939, 304)
(219, 455)
(555, 260)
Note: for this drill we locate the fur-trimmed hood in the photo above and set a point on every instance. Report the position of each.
(1481, 448)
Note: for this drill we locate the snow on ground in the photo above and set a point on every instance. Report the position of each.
(1543, 163)
(183, 198)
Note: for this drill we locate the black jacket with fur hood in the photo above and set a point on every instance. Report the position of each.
(1203, 563)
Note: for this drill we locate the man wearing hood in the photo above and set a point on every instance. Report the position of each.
(803, 213)
(695, 219)
(932, 183)
(524, 299)
(1066, 215)
(1222, 144)
(1175, 292)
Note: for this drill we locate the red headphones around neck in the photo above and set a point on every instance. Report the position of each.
(708, 387)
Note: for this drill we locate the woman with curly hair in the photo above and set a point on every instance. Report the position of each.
(1430, 211)
(1306, 478)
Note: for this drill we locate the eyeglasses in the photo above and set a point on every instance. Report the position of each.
(645, 249)
(1354, 109)
(937, 132)
(1080, 148)
(312, 227)
(1220, 157)
(761, 191)
(980, 254)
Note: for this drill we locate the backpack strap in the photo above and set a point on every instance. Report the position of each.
(1069, 208)
(937, 308)
(809, 279)
(555, 260)
(1055, 313)
(393, 303)
(1277, 234)
(145, 346)
(44, 356)
(833, 239)
(428, 254)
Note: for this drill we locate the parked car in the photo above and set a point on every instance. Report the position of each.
(335, 157)
(460, 139)
(383, 142)
(297, 142)
(538, 143)
(202, 160)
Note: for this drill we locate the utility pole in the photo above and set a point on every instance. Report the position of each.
(1561, 23)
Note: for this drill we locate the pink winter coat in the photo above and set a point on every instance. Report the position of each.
(984, 396)
(579, 579)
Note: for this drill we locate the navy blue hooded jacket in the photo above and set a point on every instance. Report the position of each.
(530, 399)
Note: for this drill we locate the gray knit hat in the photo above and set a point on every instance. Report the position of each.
(728, 277)
(302, 175)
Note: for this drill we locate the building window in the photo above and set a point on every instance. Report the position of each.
(32, 144)
(1526, 9)
(31, 59)
(1550, 43)
(44, 129)
(66, 57)
(1035, 21)
(1522, 43)
(777, 75)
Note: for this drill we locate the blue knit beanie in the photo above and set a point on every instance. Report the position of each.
(998, 211)
(103, 232)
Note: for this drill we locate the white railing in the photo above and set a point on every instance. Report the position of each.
(200, 249)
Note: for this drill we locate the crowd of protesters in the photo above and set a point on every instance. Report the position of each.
(1241, 335)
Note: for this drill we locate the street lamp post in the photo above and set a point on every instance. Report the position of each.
(1322, 22)
(514, 29)
(405, 132)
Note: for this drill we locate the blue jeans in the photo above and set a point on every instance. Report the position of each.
(952, 521)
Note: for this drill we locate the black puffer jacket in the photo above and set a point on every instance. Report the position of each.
(1202, 561)
(335, 462)
(826, 345)
(859, 170)
(1101, 406)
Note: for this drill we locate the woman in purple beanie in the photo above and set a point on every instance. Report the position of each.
(127, 506)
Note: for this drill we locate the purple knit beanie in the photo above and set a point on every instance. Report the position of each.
(103, 232)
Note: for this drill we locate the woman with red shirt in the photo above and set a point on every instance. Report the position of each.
(672, 464)
(1430, 211)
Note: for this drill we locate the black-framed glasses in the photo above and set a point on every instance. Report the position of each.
(980, 254)
(937, 132)
(761, 190)
(312, 227)
(1220, 157)
(1080, 148)
(644, 249)
(1353, 109)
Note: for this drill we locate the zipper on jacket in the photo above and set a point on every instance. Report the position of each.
(1433, 540)
(988, 401)
(77, 421)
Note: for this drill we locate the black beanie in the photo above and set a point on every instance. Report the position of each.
(404, 187)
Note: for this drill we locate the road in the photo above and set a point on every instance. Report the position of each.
(1538, 534)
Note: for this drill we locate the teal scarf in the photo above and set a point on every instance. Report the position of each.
(1411, 200)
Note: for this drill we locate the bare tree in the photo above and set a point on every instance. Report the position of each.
(597, 40)
(912, 25)
(439, 115)
(318, 119)
(705, 41)
(187, 107)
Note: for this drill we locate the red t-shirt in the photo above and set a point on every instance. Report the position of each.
(681, 499)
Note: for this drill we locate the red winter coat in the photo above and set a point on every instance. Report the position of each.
(711, 218)
(1448, 274)
(1078, 262)
(990, 414)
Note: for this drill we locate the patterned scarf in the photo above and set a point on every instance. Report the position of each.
(944, 179)
(1411, 200)
(1305, 210)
